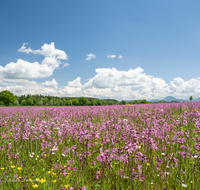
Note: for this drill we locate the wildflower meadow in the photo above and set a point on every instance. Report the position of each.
(119, 147)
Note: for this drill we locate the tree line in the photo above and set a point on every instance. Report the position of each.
(9, 99)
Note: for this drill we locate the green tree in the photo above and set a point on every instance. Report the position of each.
(191, 98)
(99, 103)
(29, 101)
(23, 102)
(40, 103)
(123, 102)
(51, 102)
(144, 101)
(55, 102)
(7, 97)
(16, 102)
(69, 103)
(64, 102)
(61, 102)
(45, 100)
(110, 102)
(93, 102)
(83, 101)
(75, 102)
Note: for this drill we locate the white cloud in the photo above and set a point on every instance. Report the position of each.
(90, 56)
(17, 89)
(26, 70)
(130, 85)
(120, 56)
(112, 83)
(111, 56)
(75, 83)
(51, 83)
(65, 65)
(47, 50)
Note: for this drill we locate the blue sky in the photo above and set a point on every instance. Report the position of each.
(135, 49)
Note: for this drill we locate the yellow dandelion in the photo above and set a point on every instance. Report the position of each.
(30, 179)
(41, 159)
(53, 173)
(19, 168)
(12, 166)
(67, 186)
(49, 172)
(11, 162)
(45, 154)
(42, 180)
(2, 168)
(54, 181)
(35, 186)
(148, 164)
(37, 179)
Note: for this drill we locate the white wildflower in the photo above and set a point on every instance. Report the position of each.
(184, 185)
(163, 154)
(126, 177)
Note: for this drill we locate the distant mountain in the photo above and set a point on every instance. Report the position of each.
(169, 99)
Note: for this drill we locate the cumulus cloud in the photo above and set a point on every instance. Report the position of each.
(47, 50)
(130, 85)
(51, 83)
(26, 70)
(16, 89)
(111, 56)
(112, 83)
(120, 56)
(90, 56)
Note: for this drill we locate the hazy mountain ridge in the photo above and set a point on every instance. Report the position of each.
(169, 99)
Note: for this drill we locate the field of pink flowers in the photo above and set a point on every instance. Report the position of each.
(153, 146)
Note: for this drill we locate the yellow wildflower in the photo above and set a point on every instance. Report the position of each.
(37, 179)
(19, 168)
(35, 186)
(53, 173)
(54, 181)
(148, 164)
(30, 179)
(12, 166)
(67, 186)
(45, 154)
(49, 172)
(42, 180)
(2, 168)
(11, 162)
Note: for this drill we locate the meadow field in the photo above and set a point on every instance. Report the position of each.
(120, 147)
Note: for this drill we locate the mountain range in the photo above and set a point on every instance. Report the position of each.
(169, 99)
